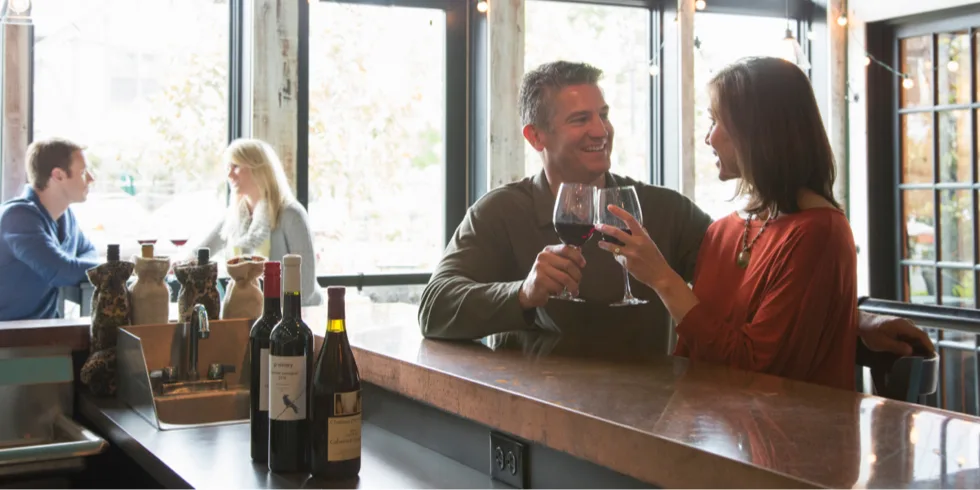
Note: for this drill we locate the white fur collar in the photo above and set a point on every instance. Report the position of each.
(245, 230)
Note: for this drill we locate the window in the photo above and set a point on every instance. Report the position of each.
(377, 137)
(615, 39)
(937, 170)
(756, 36)
(143, 85)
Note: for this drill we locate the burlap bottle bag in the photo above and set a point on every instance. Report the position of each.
(111, 310)
(244, 298)
(198, 285)
(150, 293)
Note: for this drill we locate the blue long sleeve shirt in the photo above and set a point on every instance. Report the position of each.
(37, 256)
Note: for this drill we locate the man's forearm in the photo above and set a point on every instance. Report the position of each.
(456, 308)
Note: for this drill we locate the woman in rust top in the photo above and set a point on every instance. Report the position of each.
(776, 285)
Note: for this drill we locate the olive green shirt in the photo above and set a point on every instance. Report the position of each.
(473, 291)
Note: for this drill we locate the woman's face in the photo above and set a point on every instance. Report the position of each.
(721, 143)
(241, 180)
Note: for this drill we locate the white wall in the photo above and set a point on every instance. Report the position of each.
(876, 10)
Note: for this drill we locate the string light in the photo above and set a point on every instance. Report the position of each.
(482, 6)
(953, 66)
(654, 63)
(908, 83)
(842, 20)
(654, 70)
(700, 4)
(867, 61)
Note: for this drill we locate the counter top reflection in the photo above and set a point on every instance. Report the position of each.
(664, 420)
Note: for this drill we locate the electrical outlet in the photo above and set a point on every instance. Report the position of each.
(508, 460)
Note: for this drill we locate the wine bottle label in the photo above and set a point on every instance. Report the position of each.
(264, 380)
(344, 427)
(287, 387)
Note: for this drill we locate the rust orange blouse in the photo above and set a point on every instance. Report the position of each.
(792, 312)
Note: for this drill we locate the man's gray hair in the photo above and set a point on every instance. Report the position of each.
(540, 84)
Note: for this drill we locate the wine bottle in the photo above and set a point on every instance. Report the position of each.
(336, 420)
(112, 253)
(290, 368)
(147, 250)
(203, 256)
(258, 347)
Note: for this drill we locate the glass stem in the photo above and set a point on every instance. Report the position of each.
(627, 294)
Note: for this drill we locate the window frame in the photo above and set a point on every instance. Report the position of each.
(885, 153)
(458, 123)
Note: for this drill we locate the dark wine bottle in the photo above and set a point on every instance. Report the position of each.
(290, 369)
(336, 421)
(112, 253)
(258, 348)
(203, 256)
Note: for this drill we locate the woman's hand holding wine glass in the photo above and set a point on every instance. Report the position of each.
(633, 248)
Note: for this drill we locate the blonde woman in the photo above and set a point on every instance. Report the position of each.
(263, 217)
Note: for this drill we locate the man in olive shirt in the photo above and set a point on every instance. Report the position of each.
(502, 264)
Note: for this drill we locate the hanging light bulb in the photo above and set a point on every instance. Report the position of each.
(867, 61)
(793, 52)
(700, 4)
(19, 6)
(953, 66)
(654, 69)
(810, 35)
(842, 20)
(482, 6)
(908, 82)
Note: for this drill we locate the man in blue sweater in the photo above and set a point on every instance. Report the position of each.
(42, 247)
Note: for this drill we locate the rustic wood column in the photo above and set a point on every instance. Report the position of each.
(685, 43)
(838, 114)
(16, 70)
(273, 76)
(505, 20)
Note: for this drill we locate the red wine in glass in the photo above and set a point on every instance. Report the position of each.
(607, 238)
(574, 233)
(147, 241)
(178, 242)
(574, 219)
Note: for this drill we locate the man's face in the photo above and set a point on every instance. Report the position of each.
(578, 141)
(73, 187)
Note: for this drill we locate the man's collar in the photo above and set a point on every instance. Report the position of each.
(544, 200)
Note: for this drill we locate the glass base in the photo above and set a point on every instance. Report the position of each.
(566, 296)
(630, 302)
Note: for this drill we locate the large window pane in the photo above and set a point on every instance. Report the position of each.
(954, 146)
(917, 134)
(143, 84)
(919, 225)
(377, 137)
(956, 223)
(615, 39)
(916, 55)
(954, 68)
(757, 36)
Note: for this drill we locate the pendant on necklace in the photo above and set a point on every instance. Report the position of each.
(743, 259)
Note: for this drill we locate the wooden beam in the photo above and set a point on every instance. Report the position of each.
(275, 78)
(505, 20)
(685, 43)
(16, 41)
(837, 119)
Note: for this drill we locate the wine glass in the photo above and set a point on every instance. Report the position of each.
(624, 197)
(574, 219)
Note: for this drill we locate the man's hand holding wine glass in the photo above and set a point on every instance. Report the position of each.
(557, 268)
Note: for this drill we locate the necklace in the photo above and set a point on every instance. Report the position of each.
(743, 257)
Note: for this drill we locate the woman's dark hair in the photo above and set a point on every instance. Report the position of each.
(768, 108)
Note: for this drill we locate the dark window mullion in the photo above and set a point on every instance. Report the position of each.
(973, 195)
(936, 167)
